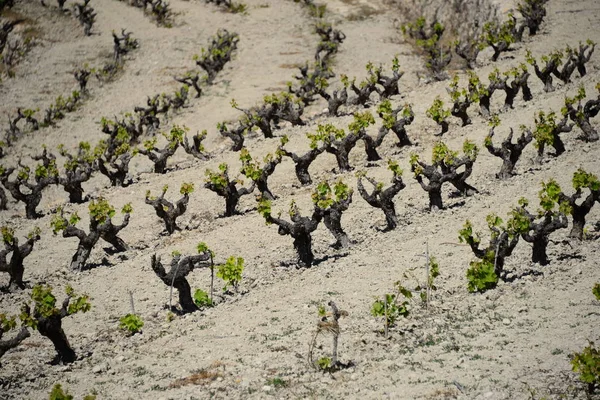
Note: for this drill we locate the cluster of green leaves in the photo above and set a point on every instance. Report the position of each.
(264, 208)
(60, 107)
(596, 291)
(325, 196)
(202, 298)
(41, 171)
(7, 323)
(325, 133)
(174, 137)
(57, 393)
(45, 304)
(8, 234)
(85, 155)
(186, 188)
(231, 272)
(441, 153)
(395, 168)
(280, 98)
(434, 272)
(516, 71)
(476, 88)
(545, 124)
(392, 306)
(361, 121)
(122, 141)
(251, 169)
(481, 275)
(550, 199)
(437, 112)
(556, 57)
(218, 179)
(220, 49)
(346, 81)
(384, 109)
(131, 323)
(587, 363)
(100, 210)
(494, 33)
(456, 93)
(324, 363)
(569, 101)
(431, 44)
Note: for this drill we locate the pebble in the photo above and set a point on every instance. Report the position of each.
(506, 321)
(98, 369)
(266, 388)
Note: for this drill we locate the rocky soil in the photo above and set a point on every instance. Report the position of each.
(513, 342)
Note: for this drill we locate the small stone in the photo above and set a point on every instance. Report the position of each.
(266, 388)
(98, 369)
(506, 321)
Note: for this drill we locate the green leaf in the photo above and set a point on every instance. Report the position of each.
(131, 323)
(481, 276)
(202, 299)
(231, 272)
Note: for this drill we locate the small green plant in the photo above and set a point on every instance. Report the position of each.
(277, 383)
(324, 363)
(481, 276)
(395, 305)
(202, 299)
(596, 291)
(231, 272)
(392, 306)
(587, 363)
(439, 114)
(131, 324)
(57, 393)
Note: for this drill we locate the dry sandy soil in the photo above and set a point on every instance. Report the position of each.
(513, 342)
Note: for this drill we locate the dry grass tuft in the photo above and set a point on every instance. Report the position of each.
(201, 377)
